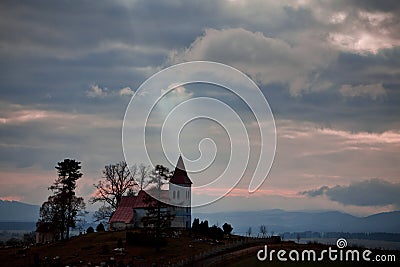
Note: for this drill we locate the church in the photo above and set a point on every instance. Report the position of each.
(132, 209)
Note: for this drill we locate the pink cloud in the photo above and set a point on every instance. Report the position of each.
(243, 192)
(388, 137)
(17, 115)
(11, 198)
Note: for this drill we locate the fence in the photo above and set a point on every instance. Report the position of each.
(221, 252)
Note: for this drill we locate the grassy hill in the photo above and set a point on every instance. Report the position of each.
(99, 247)
(93, 249)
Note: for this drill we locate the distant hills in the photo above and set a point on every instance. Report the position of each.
(14, 211)
(297, 221)
(275, 220)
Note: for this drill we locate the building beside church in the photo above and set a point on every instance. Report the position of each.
(45, 233)
(132, 209)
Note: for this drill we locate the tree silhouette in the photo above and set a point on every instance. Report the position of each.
(215, 233)
(158, 215)
(196, 225)
(118, 180)
(263, 230)
(63, 208)
(227, 228)
(248, 232)
(144, 179)
(159, 176)
(100, 228)
(103, 213)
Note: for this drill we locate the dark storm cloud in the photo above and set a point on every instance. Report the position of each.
(330, 109)
(53, 53)
(374, 192)
(387, 6)
(57, 50)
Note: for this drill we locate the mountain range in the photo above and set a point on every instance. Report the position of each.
(280, 221)
(14, 211)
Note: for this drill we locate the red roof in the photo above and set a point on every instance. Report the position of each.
(180, 176)
(125, 210)
(123, 214)
(127, 201)
(144, 200)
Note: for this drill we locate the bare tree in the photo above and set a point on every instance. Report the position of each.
(118, 180)
(103, 214)
(81, 224)
(263, 230)
(248, 232)
(144, 176)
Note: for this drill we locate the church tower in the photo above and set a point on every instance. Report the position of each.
(180, 187)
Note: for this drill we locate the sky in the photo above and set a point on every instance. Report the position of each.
(330, 71)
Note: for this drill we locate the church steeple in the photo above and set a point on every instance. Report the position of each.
(180, 176)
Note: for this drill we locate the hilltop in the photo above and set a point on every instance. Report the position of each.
(95, 248)
(186, 250)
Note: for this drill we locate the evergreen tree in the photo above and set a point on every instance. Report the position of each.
(158, 216)
(63, 208)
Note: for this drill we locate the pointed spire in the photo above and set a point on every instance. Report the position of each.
(180, 164)
(180, 176)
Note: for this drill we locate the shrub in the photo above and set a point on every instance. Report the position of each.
(215, 233)
(13, 242)
(90, 230)
(227, 228)
(100, 228)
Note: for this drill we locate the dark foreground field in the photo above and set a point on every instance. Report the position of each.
(96, 248)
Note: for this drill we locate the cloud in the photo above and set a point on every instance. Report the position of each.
(315, 192)
(126, 91)
(37, 136)
(177, 91)
(357, 26)
(311, 156)
(11, 198)
(374, 91)
(373, 192)
(95, 91)
(291, 48)
(265, 59)
(370, 31)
